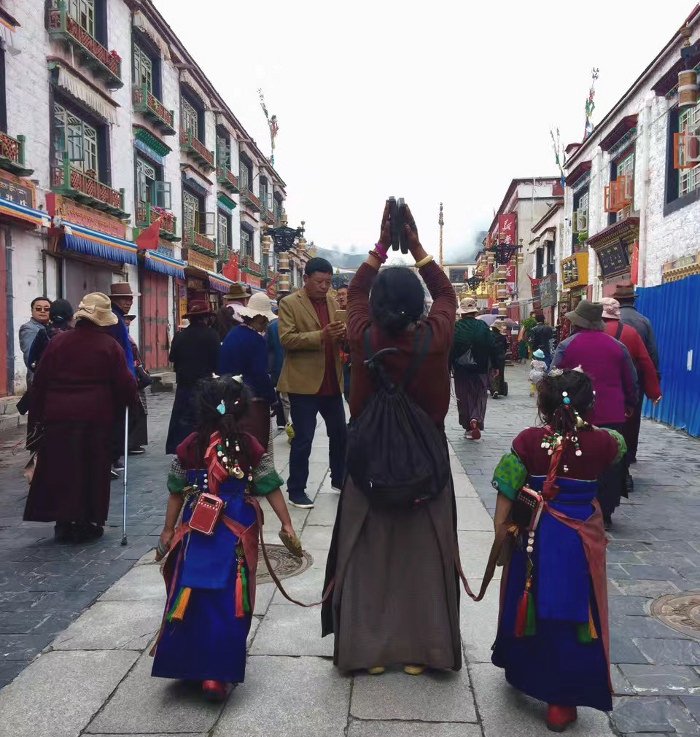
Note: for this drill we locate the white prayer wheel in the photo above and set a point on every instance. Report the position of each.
(687, 88)
(283, 262)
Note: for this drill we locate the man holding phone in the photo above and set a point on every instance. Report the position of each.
(311, 333)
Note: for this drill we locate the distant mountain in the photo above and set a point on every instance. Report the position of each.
(340, 259)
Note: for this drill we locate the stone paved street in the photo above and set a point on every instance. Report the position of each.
(93, 675)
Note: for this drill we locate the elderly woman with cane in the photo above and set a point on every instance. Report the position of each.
(81, 387)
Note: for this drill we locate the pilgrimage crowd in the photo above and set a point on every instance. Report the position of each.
(391, 594)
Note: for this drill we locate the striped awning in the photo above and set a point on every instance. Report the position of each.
(93, 243)
(12, 209)
(167, 265)
(219, 282)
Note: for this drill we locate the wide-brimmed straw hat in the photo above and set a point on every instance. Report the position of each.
(624, 291)
(97, 308)
(236, 291)
(259, 304)
(198, 308)
(587, 315)
(122, 289)
(467, 307)
(611, 308)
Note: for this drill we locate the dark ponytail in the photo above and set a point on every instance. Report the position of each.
(554, 410)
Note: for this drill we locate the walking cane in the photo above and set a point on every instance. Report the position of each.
(126, 471)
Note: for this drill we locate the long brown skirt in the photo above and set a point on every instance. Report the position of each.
(472, 391)
(396, 598)
(71, 480)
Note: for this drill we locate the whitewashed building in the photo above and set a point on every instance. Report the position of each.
(107, 124)
(628, 204)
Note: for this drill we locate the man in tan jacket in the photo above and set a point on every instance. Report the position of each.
(312, 376)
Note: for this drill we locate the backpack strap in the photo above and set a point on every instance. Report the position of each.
(620, 327)
(420, 351)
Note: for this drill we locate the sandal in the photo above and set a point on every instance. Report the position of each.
(292, 543)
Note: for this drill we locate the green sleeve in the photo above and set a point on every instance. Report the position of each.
(509, 476)
(177, 478)
(621, 444)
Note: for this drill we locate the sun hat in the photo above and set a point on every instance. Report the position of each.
(122, 289)
(259, 304)
(611, 308)
(538, 354)
(97, 308)
(236, 291)
(198, 308)
(587, 315)
(624, 291)
(467, 307)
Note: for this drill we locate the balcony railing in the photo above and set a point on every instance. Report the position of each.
(146, 103)
(252, 267)
(105, 64)
(76, 184)
(227, 179)
(199, 242)
(267, 215)
(146, 213)
(12, 155)
(248, 198)
(196, 149)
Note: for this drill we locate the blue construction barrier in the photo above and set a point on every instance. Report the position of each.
(674, 310)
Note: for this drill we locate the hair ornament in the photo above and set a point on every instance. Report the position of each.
(221, 408)
(579, 368)
(238, 378)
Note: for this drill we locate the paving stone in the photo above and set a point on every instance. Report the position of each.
(263, 596)
(474, 549)
(621, 686)
(506, 711)
(631, 605)
(288, 630)
(286, 696)
(143, 704)
(661, 680)
(307, 587)
(324, 511)
(692, 704)
(670, 652)
(652, 589)
(128, 625)
(623, 649)
(142, 582)
(412, 729)
(150, 734)
(43, 700)
(316, 536)
(471, 515)
(478, 623)
(653, 714)
(431, 697)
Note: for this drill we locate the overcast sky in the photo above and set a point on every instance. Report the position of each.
(433, 101)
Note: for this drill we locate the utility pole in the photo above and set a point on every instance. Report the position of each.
(441, 223)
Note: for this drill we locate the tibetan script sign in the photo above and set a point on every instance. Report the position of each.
(17, 191)
(199, 260)
(71, 212)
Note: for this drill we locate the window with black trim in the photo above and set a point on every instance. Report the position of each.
(223, 233)
(246, 178)
(223, 149)
(146, 66)
(150, 186)
(247, 242)
(82, 140)
(192, 115)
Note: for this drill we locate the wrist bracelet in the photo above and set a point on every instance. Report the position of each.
(380, 257)
(381, 249)
(424, 261)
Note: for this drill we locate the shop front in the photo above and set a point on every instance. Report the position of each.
(616, 248)
(155, 273)
(574, 273)
(201, 282)
(18, 215)
(89, 246)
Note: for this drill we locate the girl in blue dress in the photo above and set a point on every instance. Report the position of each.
(553, 640)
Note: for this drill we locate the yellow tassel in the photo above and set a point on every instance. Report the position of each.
(591, 625)
(177, 613)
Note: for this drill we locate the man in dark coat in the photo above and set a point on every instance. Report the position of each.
(541, 339)
(195, 355)
(81, 386)
(624, 294)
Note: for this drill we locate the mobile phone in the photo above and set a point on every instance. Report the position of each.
(394, 222)
(341, 315)
(401, 219)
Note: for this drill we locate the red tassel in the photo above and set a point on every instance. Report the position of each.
(521, 618)
(240, 609)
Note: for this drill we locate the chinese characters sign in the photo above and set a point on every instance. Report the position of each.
(506, 228)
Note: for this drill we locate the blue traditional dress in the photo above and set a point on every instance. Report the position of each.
(210, 580)
(552, 636)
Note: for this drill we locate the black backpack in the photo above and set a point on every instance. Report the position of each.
(396, 454)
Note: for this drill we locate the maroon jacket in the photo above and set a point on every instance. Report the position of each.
(82, 377)
(430, 388)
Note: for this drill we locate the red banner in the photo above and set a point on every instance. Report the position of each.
(634, 264)
(506, 228)
(230, 269)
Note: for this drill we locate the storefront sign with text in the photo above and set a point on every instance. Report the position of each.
(72, 212)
